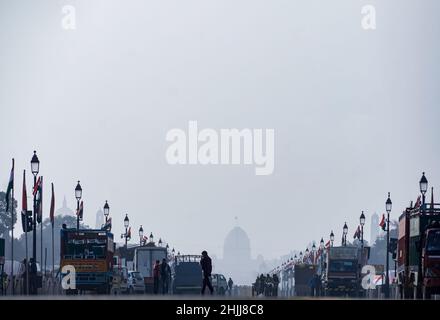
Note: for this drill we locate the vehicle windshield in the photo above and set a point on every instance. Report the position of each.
(433, 242)
(86, 249)
(342, 266)
(136, 275)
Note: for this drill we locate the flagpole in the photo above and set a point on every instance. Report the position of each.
(41, 226)
(12, 230)
(53, 259)
(27, 258)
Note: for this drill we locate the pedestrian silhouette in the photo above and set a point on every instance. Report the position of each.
(206, 264)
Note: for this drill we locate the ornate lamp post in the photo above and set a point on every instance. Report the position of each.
(35, 168)
(388, 207)
(126, 224)
(78, 196)
(362, 223)
(332, 238)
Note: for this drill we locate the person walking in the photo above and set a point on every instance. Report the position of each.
(206, 264)
(230, 285)
(156, 277)
(165, 275)
(276, 282)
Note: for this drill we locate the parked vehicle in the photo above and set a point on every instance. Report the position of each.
(219, 283)
(91, 253)
(144, 259)
(418, 250)
(135, 283)
(186, 274)
(303, 273)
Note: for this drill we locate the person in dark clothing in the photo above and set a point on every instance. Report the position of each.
(276, 282)
(230, 285)
(206, 264)
(165, 275)
(33, 277)
(156, 276)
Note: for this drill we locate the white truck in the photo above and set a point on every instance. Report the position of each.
(144, 260)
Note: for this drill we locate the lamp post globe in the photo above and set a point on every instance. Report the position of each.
(141, 232)
(362, 219)
(423, 183)
(106, 210)
(151, 237)
(78, 191)
(126, 221)
(345, 229)
(321, 243)
(35, 164)
(388, 204)
(332, 237)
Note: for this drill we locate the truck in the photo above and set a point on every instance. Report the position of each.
(90, 252)
(144, 259)
(187, 275)
(303, 274)
(342, 270)
(418, 247)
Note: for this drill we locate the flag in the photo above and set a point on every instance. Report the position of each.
(10, 186)
(432, 198)
(129, 233)
(357, 234)
(52, 207)
(24, 209)
(80, 211)
(36, 187)
(108, 224)
(382, 223)
(327, 245)
(40, 202)
(418, 203)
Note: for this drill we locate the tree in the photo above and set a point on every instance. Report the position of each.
(5, 217)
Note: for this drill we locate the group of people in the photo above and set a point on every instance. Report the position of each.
(31, 270)
(266, 285)
(162, 277)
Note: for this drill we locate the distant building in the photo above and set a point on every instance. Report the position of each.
(99, 219)
(374, 228)
(64, 210)
(237, 262)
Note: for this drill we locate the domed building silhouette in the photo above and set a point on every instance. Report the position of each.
(237, 261)
(237, 246)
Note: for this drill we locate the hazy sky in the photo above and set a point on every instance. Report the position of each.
(355, 112)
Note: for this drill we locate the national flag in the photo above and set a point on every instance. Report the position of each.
(24, 209)
(52, 207)
(36, 187)
(129, 233)
(40, 202)
(432, 198)
(80, 211)
(382, 223)
(327, 245)
(357, 234)
(10, 186)
(418, 202)
(108, 224)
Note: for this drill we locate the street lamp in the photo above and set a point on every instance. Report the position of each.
(388, 206)
(78, 196)
(151, 237)
(345, 231)
(332, 238)
(160, 242)
(321, 244)
(423, 187)
(141, 234)
(362, 223)
(126, 224)
(35, 168)
(313, 252)
(300, 257)
(106, 210)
